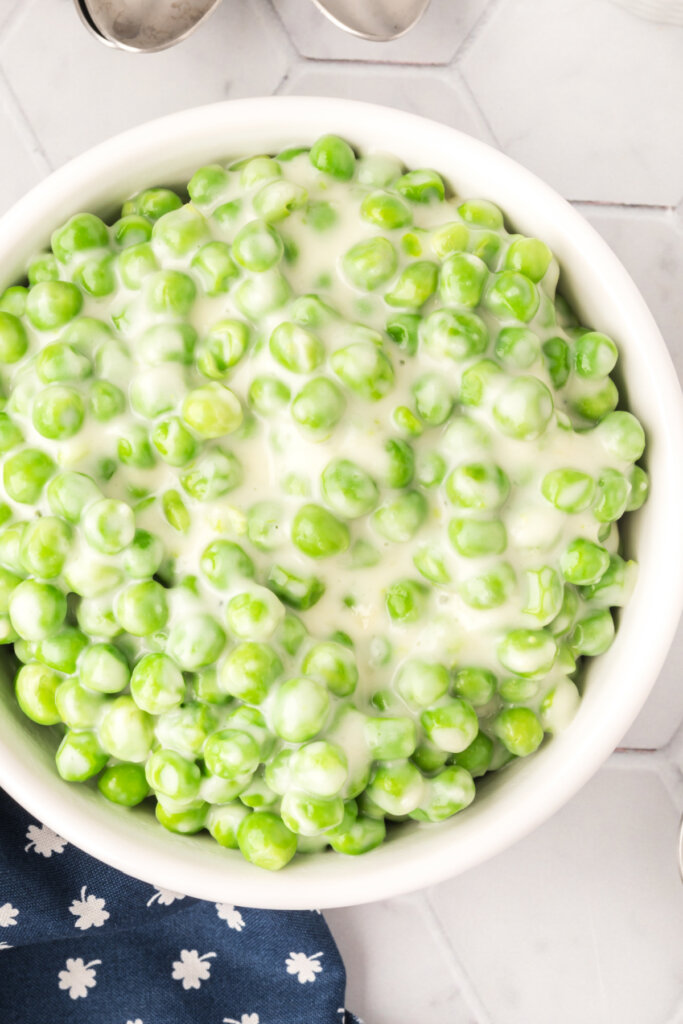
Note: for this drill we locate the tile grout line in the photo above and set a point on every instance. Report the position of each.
(607, 204)
(270, 15)
(10, 20)
(470, 39)
(24, 126)
(458, 972)
(461, 81)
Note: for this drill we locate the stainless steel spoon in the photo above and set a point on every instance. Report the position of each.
(144, 26)
(147, 26)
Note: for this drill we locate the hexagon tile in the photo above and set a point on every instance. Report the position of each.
(585, 94)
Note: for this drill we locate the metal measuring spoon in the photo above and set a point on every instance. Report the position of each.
(377, 20)
(146, 26)
(143, 26)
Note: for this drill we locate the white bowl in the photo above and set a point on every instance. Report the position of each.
(515, 801)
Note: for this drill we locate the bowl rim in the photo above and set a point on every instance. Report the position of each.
(532, 795)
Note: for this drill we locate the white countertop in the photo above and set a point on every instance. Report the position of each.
(581, 923)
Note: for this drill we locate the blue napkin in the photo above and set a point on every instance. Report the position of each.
(84, 944)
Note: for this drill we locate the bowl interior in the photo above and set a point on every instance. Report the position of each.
(510, 804)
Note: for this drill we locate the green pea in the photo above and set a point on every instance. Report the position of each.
(513, 296)
(370, 263)
(400, 463)
(82, 232)
(481, 213)
(390, 738)
(95, 616)
(517, 347)
(378, 170)
(171, 292)
(365, 369)
(556, 352)
(10, 433)
(489, 589)
(215, 268)
(476, 759)
(595, 399)
(254, 614)
(530, 257)
(13, 338)
(186, 822)
(141, 608)
(544, 594)
(69, 493)
(474, 538)
(421, 683)
(264, 520)
(622, 436)
(213, 475)
(357, 837)
(265, 841)
(402, 328)
(431, 469)
(311, 815)
(223, 822)
(295, 348)
(10, 545)
(448, 792)
(256, 297)
(593, 634)
(131, 230)
(462, 279)
(293, 589)
(400, 519)
(106, 401)
(527, 652)
(35, 687)
(212, 411)
(397, 788)
(430, 563)
(180, 231)
(43, 267)
(95, 276)
(584, 562)
(481, 486)
(224, 562)
(319, 406)
(58, 412)
(475, 685)
(268, 395)
(334, 665)
(348, 489)
(173, 441)
(612, 496)
(333, 156)
(640, 489)
(152, 203)
(124, 784)
(109, 525)
(249, 671)
(406, 601)
(569, 490)
(421, 186)
(456, 335)
(52, 304)
(385, 210)
(299, 710)
(36, 610)
(614, 586)
(186, 728)
(222, 348)
(278, 199)
(44, 546)
(524, 408)
(595, 355)
(416, 284)
(80, 756)
(405, 420)
(173, 775)
(136, 263)
(257, 246)
(519, 730)
(102, 667)
(231, 753)
(207, 184)
(125, 731)
(317, 533)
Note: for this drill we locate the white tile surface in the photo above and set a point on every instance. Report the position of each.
(585, 94)
(417, 90)
(581, 923)
(434, 40)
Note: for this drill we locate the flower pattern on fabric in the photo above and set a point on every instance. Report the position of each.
(228, 913)
(164, 897)
(89, 911)
(78, 977)
(192, 969)
(305, 967)
(5, 945)
(246, 1018)
(44, 841)
(136, 1021)
(8, 915)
